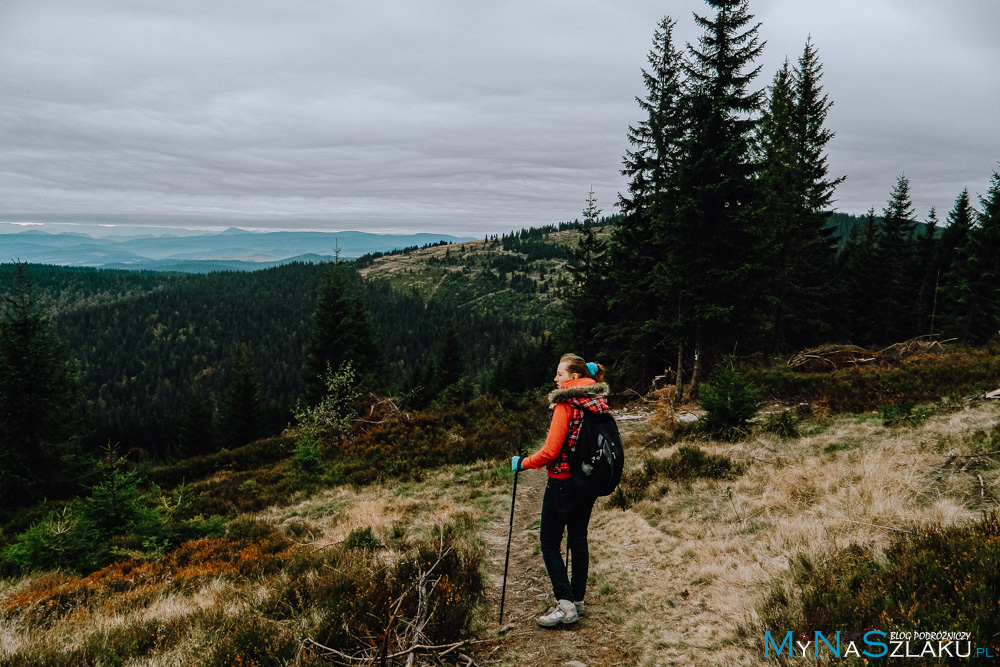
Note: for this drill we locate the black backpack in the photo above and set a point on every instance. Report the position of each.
(597, 459)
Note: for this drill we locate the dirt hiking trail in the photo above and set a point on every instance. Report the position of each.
(594, 641)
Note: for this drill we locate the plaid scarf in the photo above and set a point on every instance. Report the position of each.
(597, 405)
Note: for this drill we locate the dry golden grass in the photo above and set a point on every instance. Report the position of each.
(693, 567)
(200, 605)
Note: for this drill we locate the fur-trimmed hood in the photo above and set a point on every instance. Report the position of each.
(579, 391)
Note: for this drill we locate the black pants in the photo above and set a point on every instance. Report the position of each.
(565, 509)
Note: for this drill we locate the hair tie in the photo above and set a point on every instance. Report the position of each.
(593, 368)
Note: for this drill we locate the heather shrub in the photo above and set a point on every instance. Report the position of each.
(650, 438)
(960, 372)
(691, 462)
(366, 601)
(907, 413)
(257, 455)
(941, 578)
(632, 488)
(362, 538)
(234, 493)
(112, 647)
(449, 572)
(402, 447)
(249, 639)
(783, 424)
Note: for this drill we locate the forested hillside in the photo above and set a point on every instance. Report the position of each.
(145, 347)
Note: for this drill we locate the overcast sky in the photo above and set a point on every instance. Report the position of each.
(457, 117)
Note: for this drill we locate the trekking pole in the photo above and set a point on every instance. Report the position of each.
(506, 561)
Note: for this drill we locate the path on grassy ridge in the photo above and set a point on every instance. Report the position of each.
(593, 641)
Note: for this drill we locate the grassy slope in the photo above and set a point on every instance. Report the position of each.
(684, 573)
(695, 567)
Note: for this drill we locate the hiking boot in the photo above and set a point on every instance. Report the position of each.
(563, 613)
(579, 609)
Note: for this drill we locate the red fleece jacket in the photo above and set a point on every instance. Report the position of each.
(558, 429)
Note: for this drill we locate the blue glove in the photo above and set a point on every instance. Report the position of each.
(517, 463)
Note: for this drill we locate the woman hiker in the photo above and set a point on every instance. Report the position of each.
(580, 387)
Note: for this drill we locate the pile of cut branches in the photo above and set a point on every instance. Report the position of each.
(831, 358)
(910, 348)
(828, 358)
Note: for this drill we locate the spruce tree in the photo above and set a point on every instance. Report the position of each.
(781, 202)
(587, 299)
(342, 332)
(858, 269)
(240, 409)
(976, 273)
(947, 262)
(811, 110)
(927, 273)
(956, 232)
(712, 234)
(35, 393)
(796, 194)
(634, 330)
(196, 434)
(895, 285)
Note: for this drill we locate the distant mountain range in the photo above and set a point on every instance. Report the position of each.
(233, 249)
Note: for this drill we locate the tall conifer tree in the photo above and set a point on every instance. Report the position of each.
(976, 273)
(858, 270)
(948, 260)
(895, 252)
(35, 392)
(640, 321)
(240, 409)
(712, 230)
(796, 195)
(342, 332)
(927, 273)
(587, 298)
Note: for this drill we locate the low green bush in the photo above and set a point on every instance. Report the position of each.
(907, 413)
(120, 517)
(307, 455)
(940, 578)
(729, 401)
(783, 424)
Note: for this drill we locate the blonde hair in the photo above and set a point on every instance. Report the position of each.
(577, 364)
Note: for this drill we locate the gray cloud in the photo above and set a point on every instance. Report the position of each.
(438, 115)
